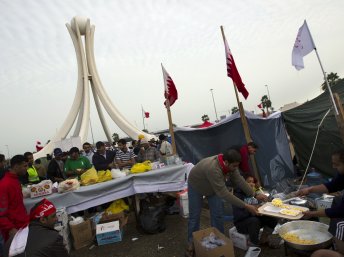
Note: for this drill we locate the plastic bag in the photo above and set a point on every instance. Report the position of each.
(116, 173)
(68, 185)
(89, 177)
(117, 207)
(104, 175)
(141, 167)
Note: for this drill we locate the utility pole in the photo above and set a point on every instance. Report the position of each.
(211, 90)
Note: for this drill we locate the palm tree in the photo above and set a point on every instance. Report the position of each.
(234, 109)
(205, 117)
(266, 103)
(332, 79)
(115, 137)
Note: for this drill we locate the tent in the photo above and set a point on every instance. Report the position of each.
(302, 124)
(273, 157)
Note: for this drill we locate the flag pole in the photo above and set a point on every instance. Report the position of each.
(244, 122)
(324, 73)
(170, 126)
(143, 117)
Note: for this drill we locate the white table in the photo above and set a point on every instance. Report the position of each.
(167, 179)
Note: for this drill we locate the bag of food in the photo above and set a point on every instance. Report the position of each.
(89, 177)
(117, 207)
(104, 175)
(141, 167)
(68, 185)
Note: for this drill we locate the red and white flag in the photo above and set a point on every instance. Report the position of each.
(232, 71)
(146, 114)
(171, 93)
(303, 45)
(260, 106)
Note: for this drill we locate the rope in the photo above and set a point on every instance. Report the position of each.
(315, 141)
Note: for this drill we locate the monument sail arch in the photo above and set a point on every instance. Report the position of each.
(88, 77)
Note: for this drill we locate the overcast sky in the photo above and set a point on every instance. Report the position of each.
(38, 71)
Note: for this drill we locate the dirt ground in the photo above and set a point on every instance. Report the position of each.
(170, 243)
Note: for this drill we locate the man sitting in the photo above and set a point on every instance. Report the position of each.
(76, 164)
(147, 152)
(42, 239)
(103, 159)
(124, 157)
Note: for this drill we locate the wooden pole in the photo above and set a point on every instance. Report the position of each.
(340, 116)
(170, 126)
(244, 124)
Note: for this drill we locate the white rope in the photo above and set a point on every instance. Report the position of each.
(315, 141)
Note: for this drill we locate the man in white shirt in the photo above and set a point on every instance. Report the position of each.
(165, 146)
(88, 153)
(125, 157)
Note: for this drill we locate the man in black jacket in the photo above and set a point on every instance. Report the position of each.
(103, 159)
(43, 240)
(55, 168)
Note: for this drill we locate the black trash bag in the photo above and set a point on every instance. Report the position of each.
(152, 218)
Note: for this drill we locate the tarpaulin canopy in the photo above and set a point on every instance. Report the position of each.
(273, 157)
(302, 124)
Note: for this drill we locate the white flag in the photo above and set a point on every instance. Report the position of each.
(303, 45)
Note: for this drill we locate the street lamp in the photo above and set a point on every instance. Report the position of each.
(8, 152)
(211, 90)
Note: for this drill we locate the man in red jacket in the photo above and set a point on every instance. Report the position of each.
(13, 215)
(245, 152)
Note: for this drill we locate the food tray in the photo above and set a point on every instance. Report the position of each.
(270, 210)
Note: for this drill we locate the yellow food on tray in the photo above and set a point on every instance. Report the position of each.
(292, 207)
(290, 212)
(293, 238)
(277, 202)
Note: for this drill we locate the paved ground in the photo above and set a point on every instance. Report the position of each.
(171, 242)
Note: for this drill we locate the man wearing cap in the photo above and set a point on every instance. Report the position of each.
(56, 166)
(13, 214)
(42, 239)
(147, 152)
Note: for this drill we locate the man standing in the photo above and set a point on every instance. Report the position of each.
(124, 157)
(103, 159)
(76, 164)
(88, 153)
(13, 214)
(245, 152)
(56, 167)
(165, 146)
(42, 239)
(147, 152)
(207, 178)
(32, 173)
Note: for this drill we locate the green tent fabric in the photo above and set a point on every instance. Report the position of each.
(302, 124)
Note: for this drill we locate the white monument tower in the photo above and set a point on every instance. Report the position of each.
(88, 76)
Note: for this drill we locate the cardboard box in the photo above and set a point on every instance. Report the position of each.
(323, 203)
(41, 189)
(239, 240)
(108, 233)
(82, 234)
(226, 250)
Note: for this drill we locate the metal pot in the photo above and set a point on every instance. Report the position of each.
(306, 229)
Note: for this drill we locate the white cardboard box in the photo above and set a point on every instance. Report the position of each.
(43, 188)
(108, 233)
(239, 240)
(323, 203)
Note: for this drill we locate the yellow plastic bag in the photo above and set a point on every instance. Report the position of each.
(117, 207)
(104, 175)
(141, 167)
(89, 177)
